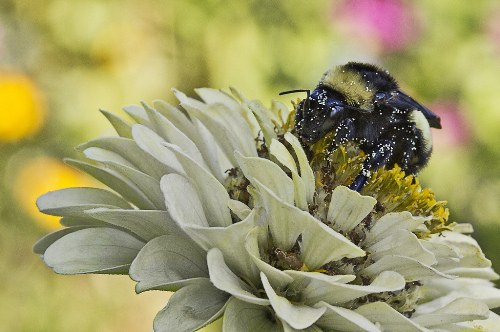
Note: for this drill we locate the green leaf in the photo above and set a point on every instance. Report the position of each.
(224, 279)
(73, 201)
(122, 127)
(247, 317)
(297, 316)
(115, 181)
(191, 308)
(168, 262)
(146, 224)
(348, 208)
(93, 250)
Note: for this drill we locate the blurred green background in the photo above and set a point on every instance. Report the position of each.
(60, 61)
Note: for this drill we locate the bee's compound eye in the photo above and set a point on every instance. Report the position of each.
(379, 95)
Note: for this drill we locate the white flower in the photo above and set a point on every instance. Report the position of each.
(217, 201)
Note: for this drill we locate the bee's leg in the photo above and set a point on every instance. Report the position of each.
(376, 157)
(345, 131)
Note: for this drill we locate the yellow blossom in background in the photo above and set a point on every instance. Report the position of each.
(39, 175)
(21, 107)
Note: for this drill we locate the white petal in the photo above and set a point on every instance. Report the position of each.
(442, 291)
(93, 250)
(224, 279)
(168, 262)
(128, 149)
(388, 318)
(122, 127)
(320, 243)
(172, 134)
(182, 201)
(116, 181)
(299, 190)
(42, 244)
(148, 186)
(403, 243)
(269, 174)
(211, 192)
(265, 123)
(277, 278)
(348, 208)
(490, 324)
(73, 201)
(460, 310)
(408, 267)
(247, 317)
(151, 143)
(137, 113)
(319, 287)
(216, 96)
(344, 320)
(147, 224)
(306, 172)
(393, 222)
(191, 308)
(230, 241)
(103, 155)
(278, 150)
(296, 315)
(240, 209)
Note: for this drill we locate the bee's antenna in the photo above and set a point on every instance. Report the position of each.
(306, 104)
(294, 91)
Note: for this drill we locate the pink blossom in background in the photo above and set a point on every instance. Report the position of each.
(493, 28)
(455, 131)
(388, 25)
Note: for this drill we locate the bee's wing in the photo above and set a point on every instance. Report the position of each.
(404, 102)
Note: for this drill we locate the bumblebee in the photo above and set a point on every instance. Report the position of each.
(362, 103)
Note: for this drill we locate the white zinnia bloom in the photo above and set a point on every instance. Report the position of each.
(217, 201)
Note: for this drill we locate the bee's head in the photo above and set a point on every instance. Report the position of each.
(318, 113)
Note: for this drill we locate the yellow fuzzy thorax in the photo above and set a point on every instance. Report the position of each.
(351, 85)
